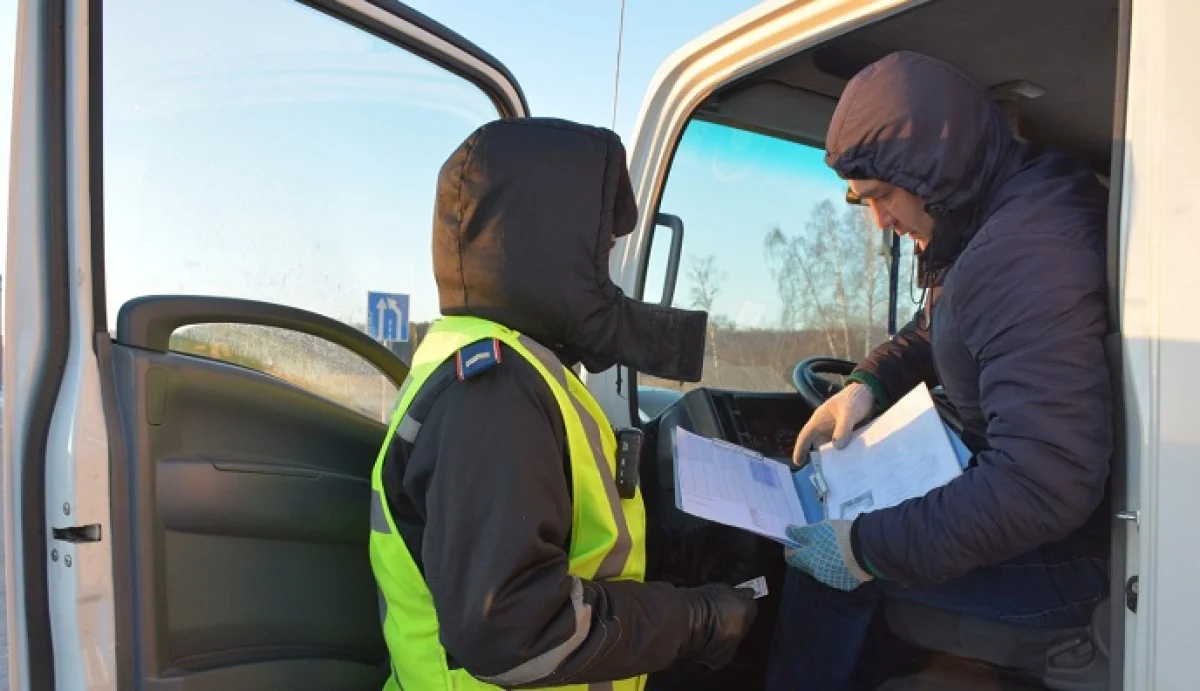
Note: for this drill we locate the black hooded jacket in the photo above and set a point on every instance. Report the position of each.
(525, 215)
(1013, 326)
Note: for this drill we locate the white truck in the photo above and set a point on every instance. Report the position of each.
(193, 408)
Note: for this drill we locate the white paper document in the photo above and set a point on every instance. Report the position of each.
(904, 453)
(758, 585)
(734, 486)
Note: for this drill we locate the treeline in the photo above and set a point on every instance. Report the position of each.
(760, 359)
(831, 281)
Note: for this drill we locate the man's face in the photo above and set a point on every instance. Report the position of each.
(897, 209)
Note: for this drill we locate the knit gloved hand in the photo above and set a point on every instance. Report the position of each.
(834, 420)
(824, 553)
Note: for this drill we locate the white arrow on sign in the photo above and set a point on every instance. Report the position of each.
(395, 308)
(400, 325)
(380, 308)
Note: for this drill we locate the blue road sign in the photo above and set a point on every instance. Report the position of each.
(387, 316)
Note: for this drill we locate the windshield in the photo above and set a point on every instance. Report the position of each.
(785, 267)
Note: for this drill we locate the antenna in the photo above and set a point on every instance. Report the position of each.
(617, 77)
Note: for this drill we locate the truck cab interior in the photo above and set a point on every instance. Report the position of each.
(1055, 70)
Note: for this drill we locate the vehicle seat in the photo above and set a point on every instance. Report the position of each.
(1069, 659)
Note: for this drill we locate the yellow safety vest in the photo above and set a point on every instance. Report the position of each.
(607, 532)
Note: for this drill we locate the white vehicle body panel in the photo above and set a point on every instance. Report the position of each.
(1161, 335)
(25, 313)
(77, 485)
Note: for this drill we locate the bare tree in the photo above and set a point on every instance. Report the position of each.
(706, 282)
(857, 221)
(830, 273)
(831, 277)
(802, 306)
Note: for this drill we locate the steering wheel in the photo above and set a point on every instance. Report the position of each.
(816, 389)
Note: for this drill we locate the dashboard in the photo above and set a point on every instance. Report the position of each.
(768, 425)
(764, 422)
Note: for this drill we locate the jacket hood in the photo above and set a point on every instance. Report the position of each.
(922, 125)
(525, 214)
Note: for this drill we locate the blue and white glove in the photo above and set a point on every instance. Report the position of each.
(824, 553)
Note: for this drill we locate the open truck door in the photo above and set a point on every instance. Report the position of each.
(203, 197)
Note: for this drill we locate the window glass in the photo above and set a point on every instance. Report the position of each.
(265, 150)
(785, 267)
(309, 362)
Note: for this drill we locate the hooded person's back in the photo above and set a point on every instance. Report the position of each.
(1014, 322)
(526, 214)
(483, 496)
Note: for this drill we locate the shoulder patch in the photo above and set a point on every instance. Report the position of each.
(477, 358)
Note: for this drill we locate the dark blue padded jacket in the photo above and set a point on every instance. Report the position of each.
(1012, 327)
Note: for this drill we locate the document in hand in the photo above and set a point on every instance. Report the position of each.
(734, 486)
(904, 453)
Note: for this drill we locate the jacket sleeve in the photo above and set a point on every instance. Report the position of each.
(1033, 317)
(498, 518)
(899, 364)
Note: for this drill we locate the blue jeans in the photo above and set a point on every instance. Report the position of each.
(822, 633)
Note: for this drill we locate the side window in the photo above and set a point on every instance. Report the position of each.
(786, 269)
(306, 361)
(267, 151)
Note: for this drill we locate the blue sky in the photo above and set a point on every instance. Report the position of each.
(731, 188)
(563, 53)
(264, 150)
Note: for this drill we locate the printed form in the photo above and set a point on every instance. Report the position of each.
(903, 454)
(734, 486)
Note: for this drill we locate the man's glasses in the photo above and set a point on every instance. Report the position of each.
(852, 198)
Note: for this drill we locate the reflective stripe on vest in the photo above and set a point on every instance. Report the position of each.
(607, 532)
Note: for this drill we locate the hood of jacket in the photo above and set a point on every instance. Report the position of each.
(920, 124)
(525, 216)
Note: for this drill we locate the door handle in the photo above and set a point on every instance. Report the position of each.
(675, 223)
(1131, 516)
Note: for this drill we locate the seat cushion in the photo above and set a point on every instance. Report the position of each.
(1003, 645)
(949, 673)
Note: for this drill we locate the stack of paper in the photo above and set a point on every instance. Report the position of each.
(904, 453)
